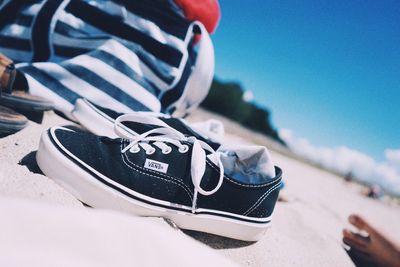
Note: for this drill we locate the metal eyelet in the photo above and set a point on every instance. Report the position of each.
(167, 150)
(183, 149)
(150, 152)
(134, 149)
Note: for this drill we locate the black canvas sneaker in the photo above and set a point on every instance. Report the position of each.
(230, 192)
(101, 121)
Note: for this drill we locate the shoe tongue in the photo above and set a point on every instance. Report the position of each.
(175, 123)
(138, 127)
(108, 140)
(187, 130)
(247, 164)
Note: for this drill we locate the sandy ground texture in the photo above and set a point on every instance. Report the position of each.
(306, 229)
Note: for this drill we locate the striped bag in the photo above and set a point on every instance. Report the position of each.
(125, 55)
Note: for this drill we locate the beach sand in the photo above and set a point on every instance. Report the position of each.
(306, 230)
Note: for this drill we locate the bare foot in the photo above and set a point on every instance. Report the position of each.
(374, 250)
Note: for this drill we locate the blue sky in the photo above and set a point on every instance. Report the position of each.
(328, 70)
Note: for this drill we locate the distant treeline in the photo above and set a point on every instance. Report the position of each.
(227, 99)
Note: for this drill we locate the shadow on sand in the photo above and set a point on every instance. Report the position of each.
(217, 242)
(29, 161)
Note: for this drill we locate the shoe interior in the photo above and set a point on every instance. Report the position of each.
(247, 164)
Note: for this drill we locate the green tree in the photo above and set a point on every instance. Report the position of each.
(227, 99)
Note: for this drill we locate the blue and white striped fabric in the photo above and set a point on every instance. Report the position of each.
(124, 55)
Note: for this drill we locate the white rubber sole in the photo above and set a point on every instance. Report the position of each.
(93, 192)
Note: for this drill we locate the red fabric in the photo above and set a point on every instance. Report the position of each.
(205, 11)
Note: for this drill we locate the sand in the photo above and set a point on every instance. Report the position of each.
(306, 230)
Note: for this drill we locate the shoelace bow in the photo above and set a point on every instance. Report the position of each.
(166, 134)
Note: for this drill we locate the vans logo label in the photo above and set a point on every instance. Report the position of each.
(156, 165)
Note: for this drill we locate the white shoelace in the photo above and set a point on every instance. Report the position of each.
(166, 134)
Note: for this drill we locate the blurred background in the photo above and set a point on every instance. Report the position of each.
(320, 77)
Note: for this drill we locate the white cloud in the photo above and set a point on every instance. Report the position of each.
(393, 158)
(344, 160)
(248, 96)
